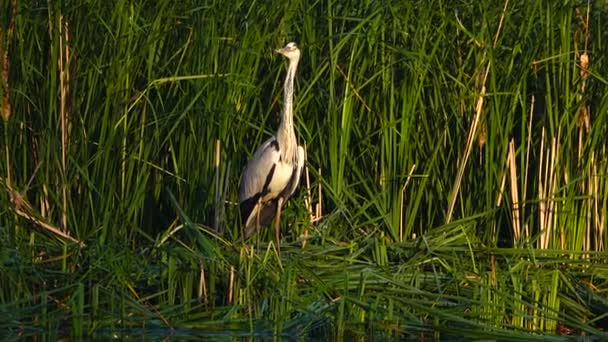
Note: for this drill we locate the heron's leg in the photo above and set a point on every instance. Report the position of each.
(277, 220)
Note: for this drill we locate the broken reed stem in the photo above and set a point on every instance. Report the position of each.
(22, 208)
(355, 91)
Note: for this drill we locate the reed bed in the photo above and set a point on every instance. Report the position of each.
(455, 184)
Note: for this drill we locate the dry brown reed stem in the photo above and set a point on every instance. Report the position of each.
(514, 192)
(584, 126)
(473, 130)
(584, 119)
(6, 102)
(315, 215)
(202, 286)
(467, 153)
(547, 183)
(600, 222)
(542, 204)
(216, 218)
(511, 168)
(231, 286)
(503, 182)
(64, 81)
(319, 206)
(308, 199)
(501, 192)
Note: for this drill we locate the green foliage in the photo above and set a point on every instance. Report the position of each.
(457, 150)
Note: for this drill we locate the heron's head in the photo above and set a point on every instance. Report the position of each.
(290, 51)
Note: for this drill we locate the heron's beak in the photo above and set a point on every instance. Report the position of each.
(281, 51)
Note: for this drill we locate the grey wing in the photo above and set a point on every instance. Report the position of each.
(254, 185)
(297, 172)
(258, 170)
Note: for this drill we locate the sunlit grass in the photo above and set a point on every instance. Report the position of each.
(456, 157)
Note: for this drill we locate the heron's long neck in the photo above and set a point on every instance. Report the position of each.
(286, 134)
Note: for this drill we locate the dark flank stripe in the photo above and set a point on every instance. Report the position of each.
(247, 206)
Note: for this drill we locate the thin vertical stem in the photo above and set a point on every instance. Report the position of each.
(64, 78)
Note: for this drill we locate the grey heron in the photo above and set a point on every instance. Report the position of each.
(273, 173)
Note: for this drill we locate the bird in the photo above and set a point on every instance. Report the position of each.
(272, 174)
